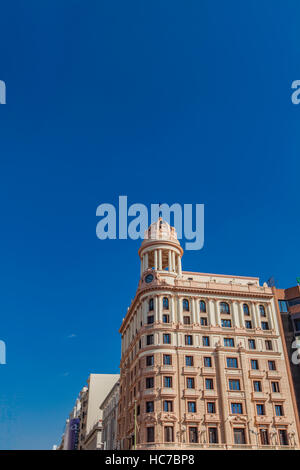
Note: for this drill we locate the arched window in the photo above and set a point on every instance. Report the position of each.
(224, 307)
(202, 306)
(185, 305)
(151, 305)
(166, 303)
(246, 309)
(262, 311)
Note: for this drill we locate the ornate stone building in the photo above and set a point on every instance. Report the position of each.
(202, 361)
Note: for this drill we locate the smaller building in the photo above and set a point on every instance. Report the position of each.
(99, 385)
(288, 304)
(109, 409)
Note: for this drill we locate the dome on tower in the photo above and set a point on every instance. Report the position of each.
(160, 230)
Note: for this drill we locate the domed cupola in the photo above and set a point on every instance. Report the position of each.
(160, 249)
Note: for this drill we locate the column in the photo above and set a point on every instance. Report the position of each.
(242, 318)
(217, 313)
(179, 265)
(253, 314)
(235, 314)
(146, 261)
(155, 260)
(172, 309)
(145, 311)
(180, 310)
(173, 262)
(159, 308)
(270, 317)
(170, 260)
(193, 310)
(156, 318)
(160, 260)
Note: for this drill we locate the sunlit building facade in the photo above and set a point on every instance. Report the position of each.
(202, 361)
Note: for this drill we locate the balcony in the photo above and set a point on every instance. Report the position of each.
(209, 394)
(277, 396)
(262, 420)
(149, 370)
(191, 393)
(149, 391)
(167, 392)
(256, 374)
(167, 369)
(208, 371)
(189, 370)
(212, 418)
(281, 420)
(192, 417)
(259, 396)
(273, 374)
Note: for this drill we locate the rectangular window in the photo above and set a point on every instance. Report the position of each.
(283, 306)
(186, 320)
(275, 387)
(236, 408)
(232, 362)
(203, 321)
(150, 434)
(257, 386)
(205, 340)
(190, 382)
(271, 365)
(188, 340)
(234, 384)
(150, 339)
(239, 436)
(149, 406)
(254, 364)
(189, 361)
(193, 434)
(209, 384)
(264, 325)
(168, 382)
(207, 362)
(168, 406)
(260, 409)
(279, 410)
(149, 382)
(211, 407)
(228, 342)
(251, 343)
(283, 439)
(149, 360)
(166, 318)
(269, 346)
(248, 324)
(169, 434)
(150, 319)
(226, 323)
(191, 406)
(167, 359)
(166, 338)
(213, 435)
(264, 437)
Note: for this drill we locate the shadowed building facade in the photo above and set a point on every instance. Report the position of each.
(202, 363)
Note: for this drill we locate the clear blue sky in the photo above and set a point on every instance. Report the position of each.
(163, 101)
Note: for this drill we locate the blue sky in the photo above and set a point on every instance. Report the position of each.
(169, 101)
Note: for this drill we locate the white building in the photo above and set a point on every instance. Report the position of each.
(109, 419)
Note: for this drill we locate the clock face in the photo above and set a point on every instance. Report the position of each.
(149, 278)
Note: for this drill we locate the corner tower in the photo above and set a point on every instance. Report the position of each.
(161, 250)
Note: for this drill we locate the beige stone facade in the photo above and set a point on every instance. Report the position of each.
(202, 364)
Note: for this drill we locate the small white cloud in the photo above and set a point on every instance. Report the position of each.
(72, 335)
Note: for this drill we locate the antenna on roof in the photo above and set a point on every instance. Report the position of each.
(271, 282)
